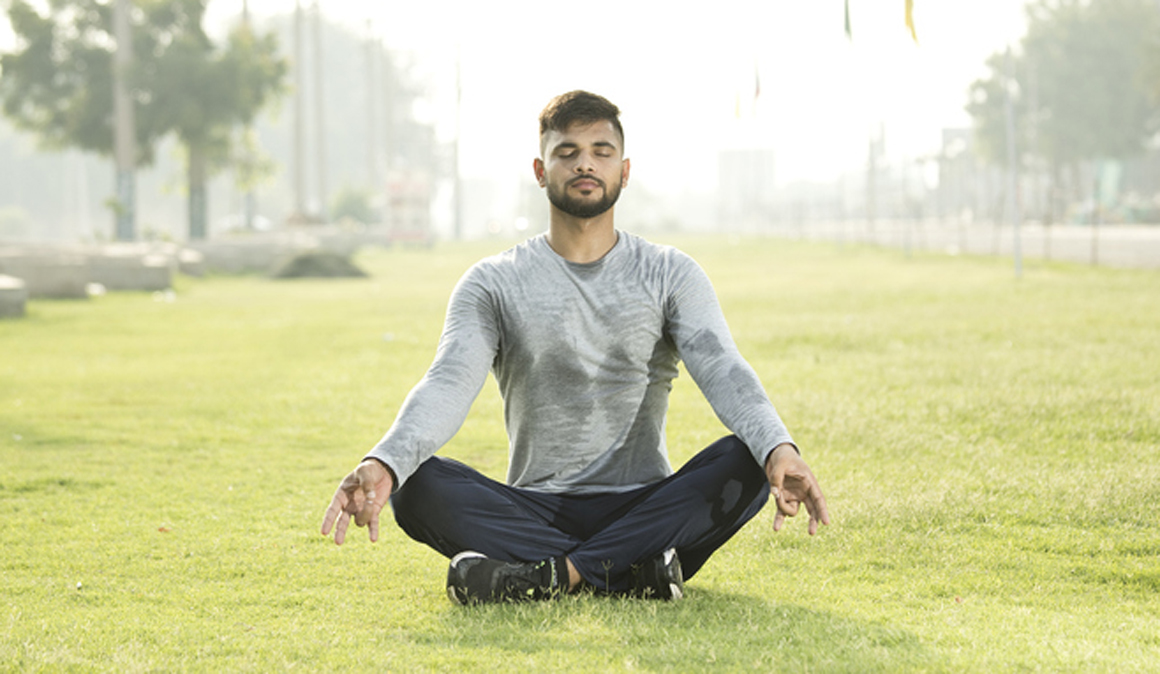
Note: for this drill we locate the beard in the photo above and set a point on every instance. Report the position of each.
(583, 209)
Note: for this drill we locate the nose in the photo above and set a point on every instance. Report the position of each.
(584, 163)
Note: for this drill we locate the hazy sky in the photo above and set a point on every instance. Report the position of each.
(678, 71)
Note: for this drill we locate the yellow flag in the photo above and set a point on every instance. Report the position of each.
(910, 19)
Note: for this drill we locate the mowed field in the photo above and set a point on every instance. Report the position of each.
(990, 450)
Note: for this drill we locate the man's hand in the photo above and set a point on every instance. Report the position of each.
(362, 494)
(792, 483)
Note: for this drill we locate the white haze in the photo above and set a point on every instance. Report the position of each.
(678, 72)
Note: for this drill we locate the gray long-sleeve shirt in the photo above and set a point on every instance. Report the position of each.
(584, 355)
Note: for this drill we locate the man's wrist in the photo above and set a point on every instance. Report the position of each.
(386, 467)
(790, 445)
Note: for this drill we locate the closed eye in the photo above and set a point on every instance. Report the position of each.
(605, 149)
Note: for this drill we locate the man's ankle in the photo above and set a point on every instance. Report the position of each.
(574, 577)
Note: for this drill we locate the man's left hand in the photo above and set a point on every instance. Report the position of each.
(792, 483)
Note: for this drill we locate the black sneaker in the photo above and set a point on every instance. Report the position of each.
(659, 578)
(474, 578)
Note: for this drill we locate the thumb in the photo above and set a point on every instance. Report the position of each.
(785, 507)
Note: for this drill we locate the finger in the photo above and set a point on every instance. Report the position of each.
(784, 505)
(332, 512)
(374, 525)
(369, 507)
(778, 521)
(821, 511)
(816, 504)
(813, 525)
(370, 510)
(340, 529)
(328, 519)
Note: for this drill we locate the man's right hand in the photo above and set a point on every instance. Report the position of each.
(362, 494)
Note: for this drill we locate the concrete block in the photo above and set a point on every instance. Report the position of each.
(47, 274)
(260, 253)
(191, 262)
(13, 297)
(131, 270)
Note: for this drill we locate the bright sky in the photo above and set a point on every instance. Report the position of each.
(678, 70)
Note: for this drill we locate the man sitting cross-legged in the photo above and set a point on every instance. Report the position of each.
(583, 328)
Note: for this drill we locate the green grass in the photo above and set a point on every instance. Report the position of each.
(990, 449)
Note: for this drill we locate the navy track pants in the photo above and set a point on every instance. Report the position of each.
(452, 507)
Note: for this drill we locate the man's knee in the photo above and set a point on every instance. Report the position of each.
(425, 507)
(731, 456)
(732, 447)
(739, 483)
(421, 491)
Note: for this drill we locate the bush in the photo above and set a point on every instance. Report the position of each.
(354, 204)
(317, 265)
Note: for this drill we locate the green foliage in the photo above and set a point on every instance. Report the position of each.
(210, 90)
(1084, 84)
(252, 166)
(59, 84)
(354, 204)
(990, 450)
(986, 105)
(317, 264)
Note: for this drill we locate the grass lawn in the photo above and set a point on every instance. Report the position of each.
(990, 449)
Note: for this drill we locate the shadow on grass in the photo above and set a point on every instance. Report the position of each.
(51, 485)
(708, 628)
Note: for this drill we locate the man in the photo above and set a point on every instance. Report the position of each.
(583, 328)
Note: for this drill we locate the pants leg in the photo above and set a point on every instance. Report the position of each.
(696, 510)
(452, 508)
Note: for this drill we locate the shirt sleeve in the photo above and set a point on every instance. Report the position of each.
(436, 407)
(697, 327)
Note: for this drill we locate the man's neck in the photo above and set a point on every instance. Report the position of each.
(579, 240)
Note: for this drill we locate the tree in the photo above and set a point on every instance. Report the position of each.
(1080, 85)
(59, 84)
(210, 91)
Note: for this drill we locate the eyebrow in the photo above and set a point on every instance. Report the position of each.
(571, 145)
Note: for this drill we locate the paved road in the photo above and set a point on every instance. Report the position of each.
(1135, 246)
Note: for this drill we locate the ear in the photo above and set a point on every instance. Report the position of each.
(624, 173)
(538, 168)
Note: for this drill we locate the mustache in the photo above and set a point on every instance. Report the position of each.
(594, 179)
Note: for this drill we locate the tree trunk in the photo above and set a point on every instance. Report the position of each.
(197, 196)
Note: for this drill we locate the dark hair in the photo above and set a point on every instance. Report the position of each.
(579, 106)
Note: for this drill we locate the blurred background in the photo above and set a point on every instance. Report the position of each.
(418, 120)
